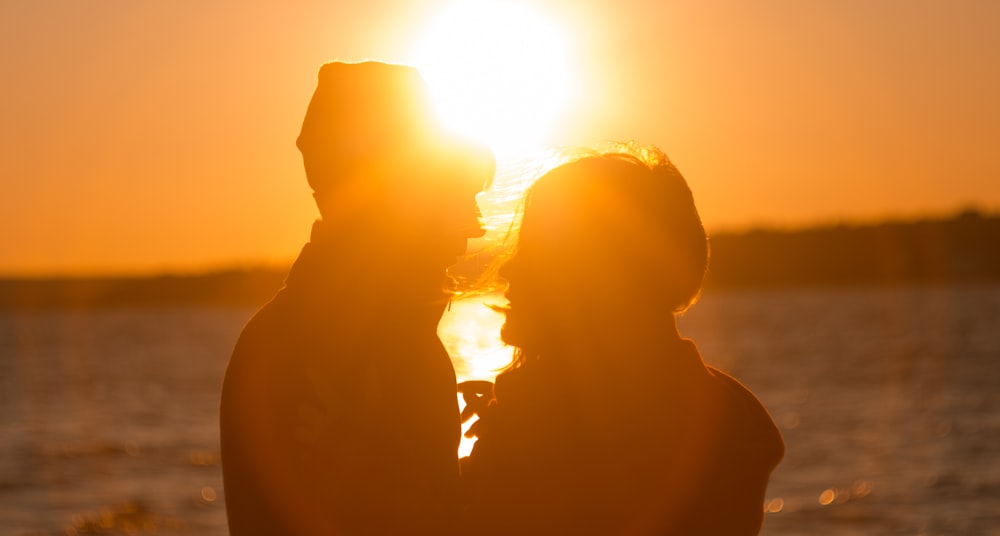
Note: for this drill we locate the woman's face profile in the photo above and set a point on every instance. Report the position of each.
(544, 276)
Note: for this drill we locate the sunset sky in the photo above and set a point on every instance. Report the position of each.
(159, 135)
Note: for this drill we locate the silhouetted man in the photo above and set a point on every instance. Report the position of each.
(339, 412)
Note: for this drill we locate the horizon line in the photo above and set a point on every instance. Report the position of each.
(271, 264)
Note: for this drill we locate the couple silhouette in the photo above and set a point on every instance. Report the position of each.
(339, 411)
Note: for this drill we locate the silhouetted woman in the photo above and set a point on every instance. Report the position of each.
(608, 421)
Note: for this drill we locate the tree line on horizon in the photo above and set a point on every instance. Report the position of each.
(963, 249)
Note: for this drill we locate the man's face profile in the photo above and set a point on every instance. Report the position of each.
(444, 205)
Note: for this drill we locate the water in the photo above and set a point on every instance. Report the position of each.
(888, 400)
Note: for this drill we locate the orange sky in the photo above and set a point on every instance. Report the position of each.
(159, 135)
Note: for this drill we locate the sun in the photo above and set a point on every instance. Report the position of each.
(499, 71)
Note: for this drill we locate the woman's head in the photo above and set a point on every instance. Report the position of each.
(603, 232)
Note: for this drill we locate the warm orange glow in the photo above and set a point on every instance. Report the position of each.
(172, 149)
(500, 71)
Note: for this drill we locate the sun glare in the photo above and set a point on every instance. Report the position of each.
(499, 72)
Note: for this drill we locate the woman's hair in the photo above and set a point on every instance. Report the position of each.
(627, 207)
(621, 220)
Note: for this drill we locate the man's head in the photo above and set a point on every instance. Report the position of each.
(376, 155)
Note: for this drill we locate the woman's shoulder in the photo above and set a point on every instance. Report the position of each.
(738, 393)
(747, 417)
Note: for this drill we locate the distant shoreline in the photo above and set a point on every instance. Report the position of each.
(236, 287)
(960, 250)
(963, 249)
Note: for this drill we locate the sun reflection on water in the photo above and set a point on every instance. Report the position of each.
(470, 331)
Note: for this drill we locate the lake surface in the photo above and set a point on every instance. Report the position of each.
(889, 401)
